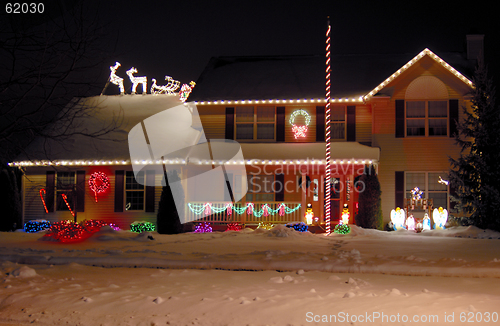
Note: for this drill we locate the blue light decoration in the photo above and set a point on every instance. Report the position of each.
(36, 226)
(301, 227)
(142, 226)
(203, 227)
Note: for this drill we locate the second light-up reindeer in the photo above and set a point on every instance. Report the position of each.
(137, 80)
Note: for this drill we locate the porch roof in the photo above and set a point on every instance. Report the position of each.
(346, 151)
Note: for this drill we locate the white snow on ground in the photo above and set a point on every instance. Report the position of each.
(277, 277)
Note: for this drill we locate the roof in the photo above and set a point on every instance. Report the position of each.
(303, 77)
(114, 149)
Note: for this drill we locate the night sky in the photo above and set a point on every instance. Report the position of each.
(178, 38)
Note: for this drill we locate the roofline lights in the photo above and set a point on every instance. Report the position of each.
(359, 99)
(410, 63)
(193, 161)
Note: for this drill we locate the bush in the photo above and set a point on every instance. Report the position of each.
(370, 203)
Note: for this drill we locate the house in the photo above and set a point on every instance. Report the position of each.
(397, 113)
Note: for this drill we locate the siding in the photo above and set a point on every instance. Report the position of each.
(213, 119)
(363, 124)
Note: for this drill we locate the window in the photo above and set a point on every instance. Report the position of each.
(426, 118)
(261, 188)
(65, 184)
(337, 122)
(255, 122)
(134, 191)
(428, 183)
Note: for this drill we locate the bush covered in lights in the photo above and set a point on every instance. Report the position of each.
(142, 226)
(36, 226)
(203, 227)
(69, 231)
(234, 227)
(342, 229)
(265, 225)
(301, 227)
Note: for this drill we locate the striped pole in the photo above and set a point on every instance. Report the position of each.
(327, 130)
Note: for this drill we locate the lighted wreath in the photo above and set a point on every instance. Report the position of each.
(300, 131)
(98, 183)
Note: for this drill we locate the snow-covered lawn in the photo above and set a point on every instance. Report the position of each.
(278, 277)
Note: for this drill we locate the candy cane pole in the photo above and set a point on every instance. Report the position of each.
(327, 130)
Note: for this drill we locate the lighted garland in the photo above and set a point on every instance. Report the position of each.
(299, 131)
(203, 227)
(36, 226)
(233, 227)
(301, 227)
(142, 226)
(98, 183)
(249, 208)
(342, 229)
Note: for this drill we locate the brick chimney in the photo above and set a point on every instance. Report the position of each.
(475, 47)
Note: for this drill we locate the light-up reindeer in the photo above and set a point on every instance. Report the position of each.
(137, 80)
(115, 79)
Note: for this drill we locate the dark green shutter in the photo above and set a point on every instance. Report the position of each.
(279, 187)
(119, 183)
(400, 118)
(50, 179)
(150, 191)
(453, 117)
(320, 123)
(400, 188)
(229, 123)
(280, 124)
(80, 191)
(351, 123)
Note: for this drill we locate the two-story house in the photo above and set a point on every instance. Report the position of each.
(395, 112)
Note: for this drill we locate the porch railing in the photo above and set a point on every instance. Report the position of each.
(244, 213)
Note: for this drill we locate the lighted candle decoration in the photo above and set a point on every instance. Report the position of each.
(410, 223)
(345, 215)
(426, 222)
(309, 214)
(398, 217)
(440, 217)
(137, 80)
(114, 79)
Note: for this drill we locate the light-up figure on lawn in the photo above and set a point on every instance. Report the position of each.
(398, 217)
(309, 214)
(410, 223)
(137, 80)
(113, 78)
(426, 222)
(186, 90)
(440, 217)
(345, 215)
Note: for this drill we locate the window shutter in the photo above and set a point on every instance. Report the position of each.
(80, 191)
(229, 123)
(320, 123)
(453, 117)
(400, 118)
(50, 179)
(400, 188)
(119, 183)
(351, 123)
(280, 124)
(279, 186)
(150, 191)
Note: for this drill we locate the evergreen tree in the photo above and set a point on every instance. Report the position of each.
(475, 176)
(370, 203)
(167, 219)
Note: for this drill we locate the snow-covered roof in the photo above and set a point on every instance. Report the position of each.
(131, 110)
(353, 77)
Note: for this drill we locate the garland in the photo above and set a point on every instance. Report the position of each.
(249, 208)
